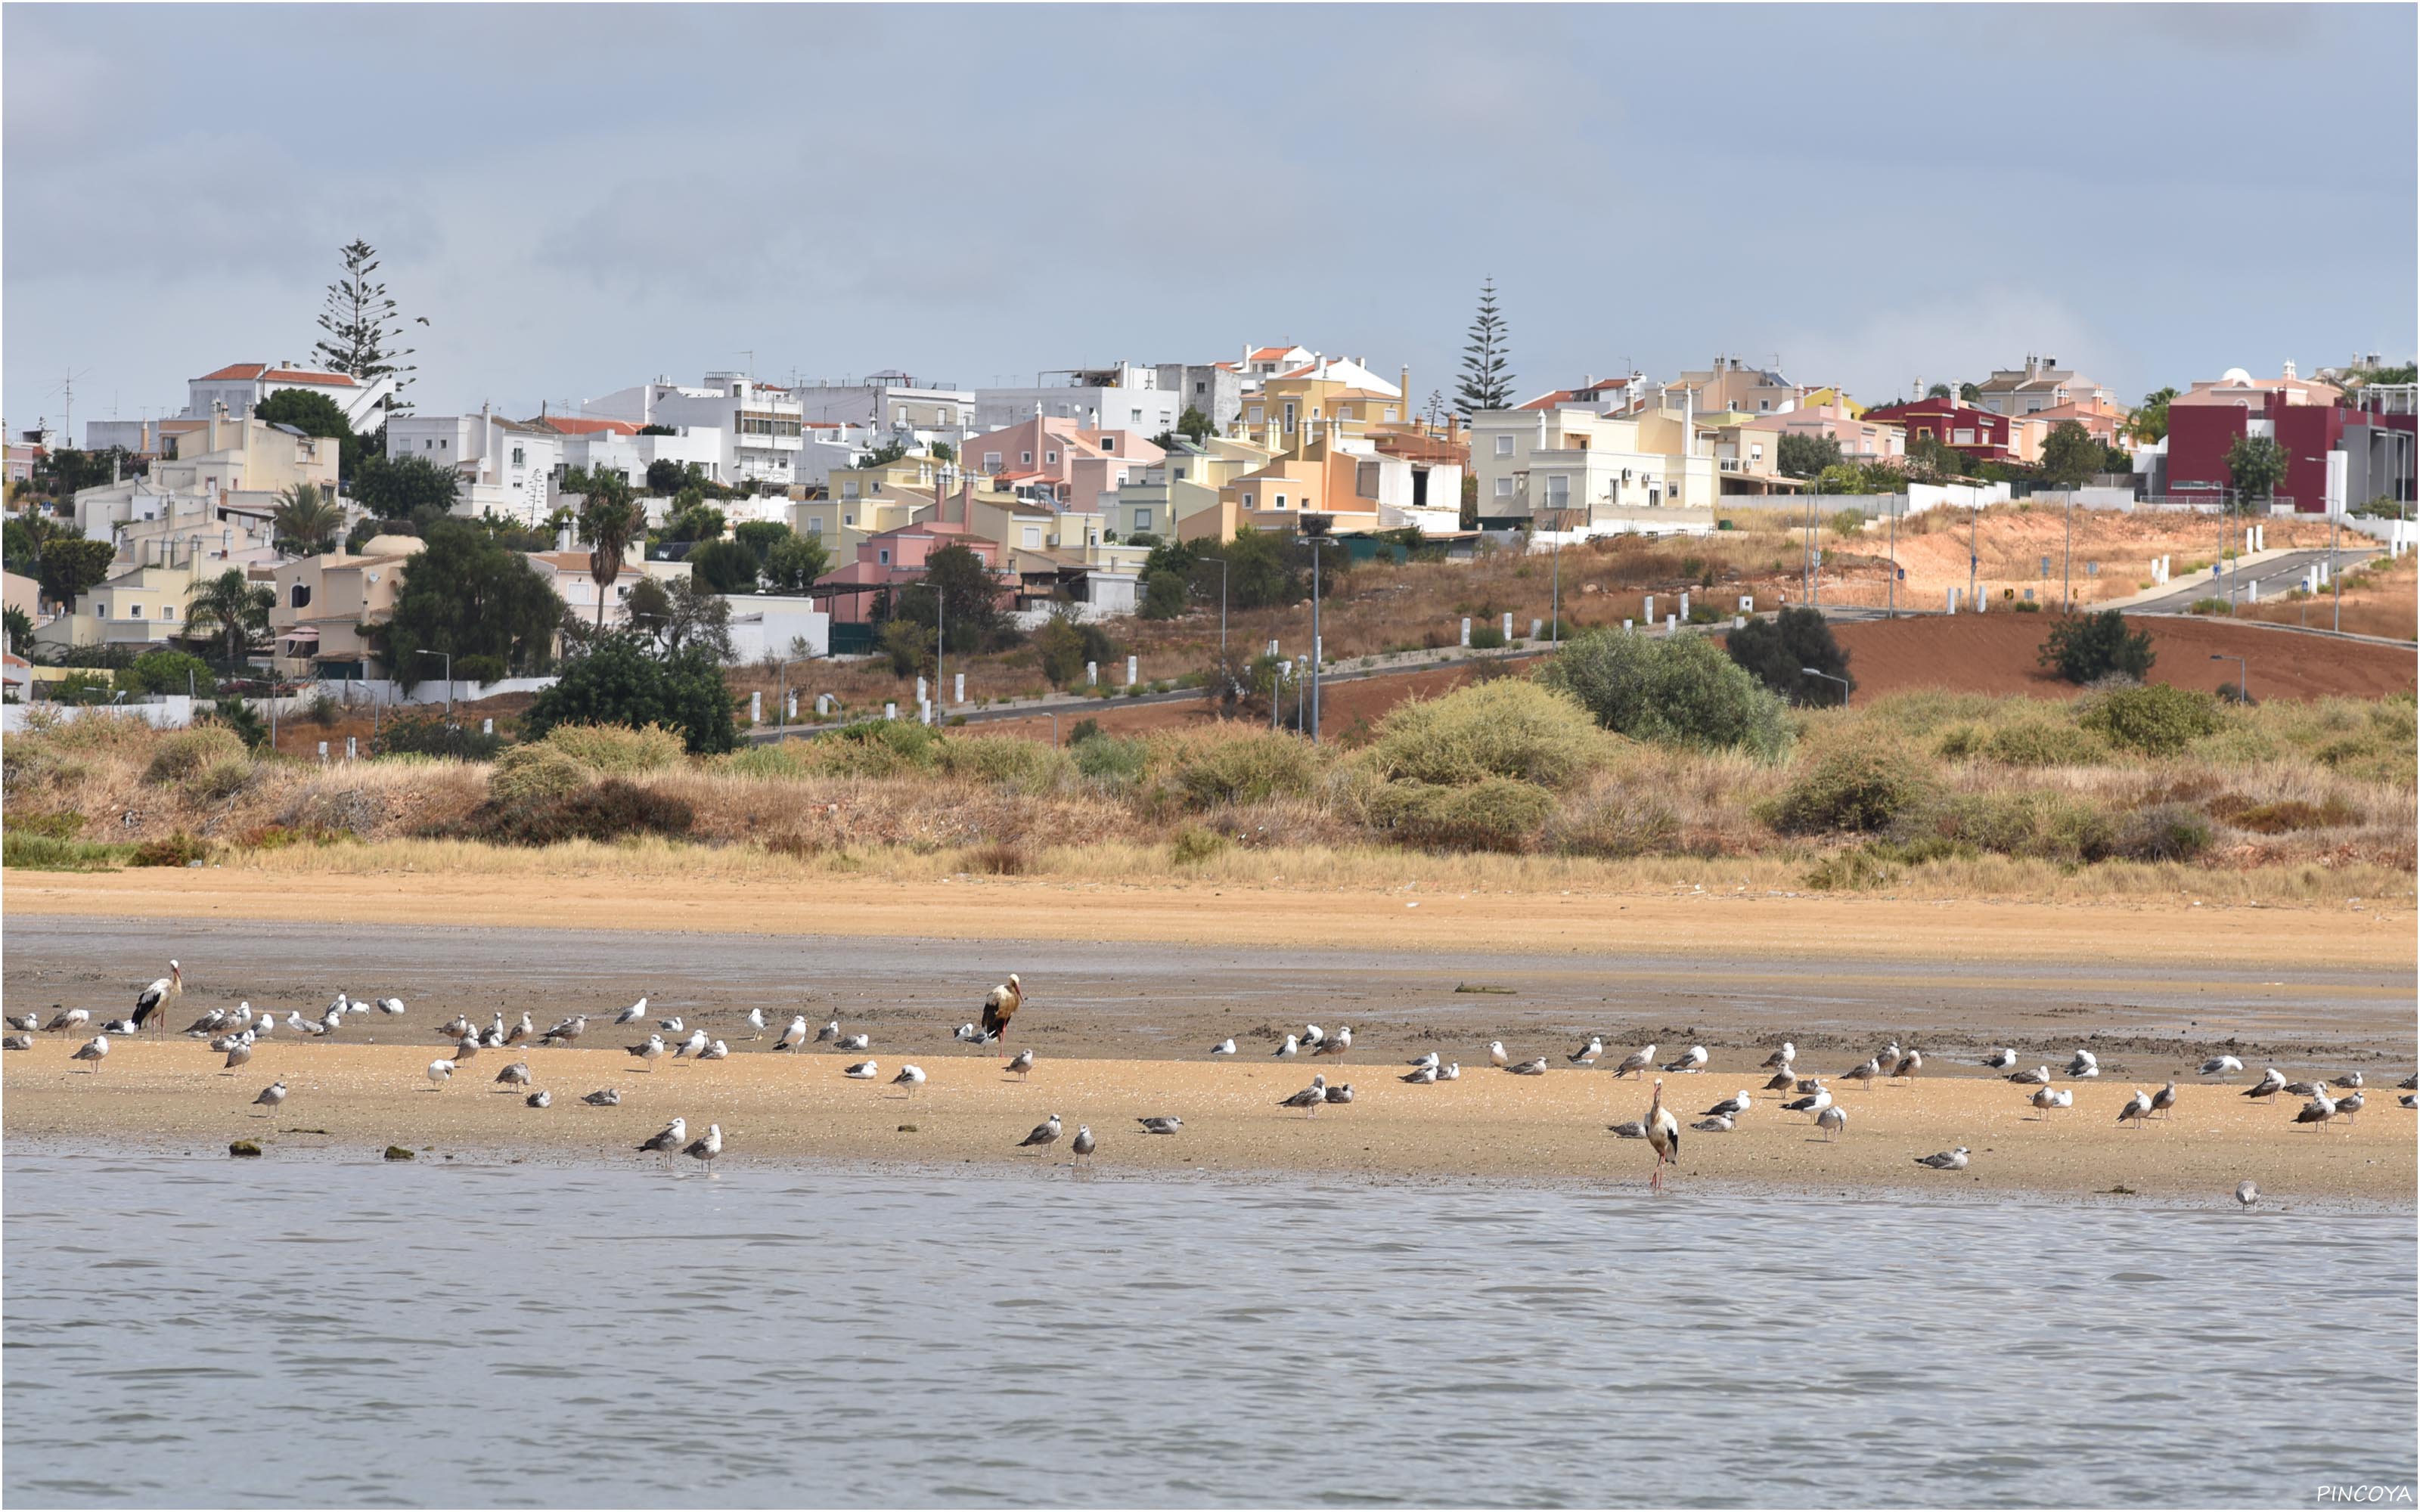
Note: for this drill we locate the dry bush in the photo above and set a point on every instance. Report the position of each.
(617, 751)
(185, 753)
(1504, 729)
(535, 774)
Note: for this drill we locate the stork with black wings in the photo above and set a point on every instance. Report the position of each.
(1000, 1005)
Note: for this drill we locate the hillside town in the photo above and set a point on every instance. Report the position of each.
(277, 519)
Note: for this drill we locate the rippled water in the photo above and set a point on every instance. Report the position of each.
(183, 1333)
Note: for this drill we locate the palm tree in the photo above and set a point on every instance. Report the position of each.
(237, 608)
(610, 519)
(306, 522)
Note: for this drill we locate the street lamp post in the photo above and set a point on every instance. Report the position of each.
(1829, 678)
(1314, 526)
(2242, 677)
(448, 657)
(1222, 611)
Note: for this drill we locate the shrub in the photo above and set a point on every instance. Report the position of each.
(65, 824)
(1496, 814)
(1859, 788)
(1855, 870)
(909, 646)
(877, 748)
(184, 753)
(1247, 770)
(998, 859)
(323, 710)
(2156, 720)
(1027, 765)
(772, 762)
(1613, 826)
(1848, 522)
(20, 852)
(2163, 832)
(165, 670)
(1961, 741)
(1085, 730)
(1107, 759)
(1501, 729)
(2043, 743)
(221, 779)
(1163, 595)
(2085, 647)
(619, 681)
(1487, 636)
(2050, 827)
(2209, 606)
(179, 849)
(535, 775)
(429, 734)
(1774, 651)
(1192, 845)
(1672, 690)
(617, 751)
(610, 810)
(240, 720)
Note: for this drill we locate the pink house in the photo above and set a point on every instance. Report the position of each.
(1861, 439)
(896, 557)
(1055, 458)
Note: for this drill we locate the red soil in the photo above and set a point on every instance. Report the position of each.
(1996, 654)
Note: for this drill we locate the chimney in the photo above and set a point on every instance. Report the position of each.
(2289, 374)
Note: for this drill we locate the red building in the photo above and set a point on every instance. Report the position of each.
(2305, 417)
(1979, 435)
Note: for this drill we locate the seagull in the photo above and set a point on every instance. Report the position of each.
(2351, 1106)
(1999, 1057)
(567, 1031)
(539, 1099)
(1312, 1035)
(121, 1026)
(1340, 1094)
(1084, 1144)
(1730, 1107)
(647, 1052)
(159, 996)
(1337, 1043)
(631, 1014)
(1909, 1065)
(667, 1139)
(756, 1021)
(910, 1077)
(2164, 1102)
(1832, 1120)
(715, 1051)
(302, 1026)
(1865, 1074)
(2409, 1084)
(604, 1097)
(1224, 1048)
(1287, 1049)
(1664, 1133)
(1692, 1060)
(261, 1027)
(2137, 1108)
(854, 1042)
(1021, 1063)
(1001, 1003)
(1585, 1056)
(1781, 1060)
(438, 1072)
(795, 1036)
(95, 1050)
(521, 1031)
(864, 1071)
(25, 1041)
(2039, 1076)
(2085, 1066)
(672, 1025)
(2318, 1110)
(1430, 1060)
(1949, 1160)
(1419, 1076)
(1633, 1129)
(1890, 1054)
(2309, 1089)
(516, 1074)
(1529, 1068)
(467, 1049)
(391, 1007)
(2246, 1195)
(2407, 1100)
(1814, 1102)
(2350, 1080)
(2220, 1066)
(1717, 1124)
(1495, 1053)
(1783, 1080)
(238, 1053)
(690, 1046)
(828, 1034)
(1450, 1071)
(707, 1149)
(2048, 1100)
(67, 1021)
(1045, 1135)
(1309, 1099)
(1161, 1126)
(210, 1023)
(458, 1028)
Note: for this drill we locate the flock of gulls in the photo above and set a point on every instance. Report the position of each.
(233, 1034)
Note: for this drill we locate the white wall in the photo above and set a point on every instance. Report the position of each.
(174, 712)
(764, 624)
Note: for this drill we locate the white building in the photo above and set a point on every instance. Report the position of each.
(1125, 397)
(889, 402)
(764, 625)
(1529, 461)
(508, 466)
(617, 446)
(242, 385)
(759, 423)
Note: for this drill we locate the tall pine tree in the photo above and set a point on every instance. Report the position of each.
(1485, 384)
(364, 326)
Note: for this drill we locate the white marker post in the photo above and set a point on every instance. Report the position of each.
(1130, 671)
(1091, 674)
(1465, 632)
(756, 708)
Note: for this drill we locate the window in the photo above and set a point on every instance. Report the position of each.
(848, 487)
(1289, 417)
(1390, 414)
(1134, 417)
(1756, 452)
(1248, 500)
(516, 457)
(1200, 387)
(1365, 480)
(429, 445)
(1032, 537)
(1142, 519)
(1343, 411)
(814, 525)
(848, 519)
(882, 554)
(443, 445)
(1108, 443)
(1050, 457)
(1026, 457)
(1503, 488)
(991, 461)
(1503, 446)
(1280, 500)
(1558, 491)
(167, 612)
(299, 596)
(133, 612)
(1256, 414)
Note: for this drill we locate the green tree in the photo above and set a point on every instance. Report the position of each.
(1195, 426)
(1678, 691)
(166, 670)
(1775, 652)
(66, 473)
(404, 488)
(468, 593)
(19, 628)
(610, 520)
(1801, 456)
(884, 454)
(969, 601)
(2149, 421)
(694, 519)
(620, 681)
(2070, 455)
(364, 326)
(1485, 384)
(760, 536)
(2254, 465)
(1063, 644)
(1264, 568)
(909, 646)
(1939, 391)
(796, 562)
(1968, 393)
(25, 534)
(231, 610)
(1163, 595)
(666, 478)
(314, 413)
(942, 452)
(723, 566)
(71, 565)
(690, 617)
(2087, 647)
(306, 521)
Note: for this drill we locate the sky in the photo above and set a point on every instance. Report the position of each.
(577, 199)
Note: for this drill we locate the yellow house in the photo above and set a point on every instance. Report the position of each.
(324, 602)
(139, 604)
(1331, 388)
(902, 473)
(842, 524)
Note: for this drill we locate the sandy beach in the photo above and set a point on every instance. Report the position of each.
(1488, 1124)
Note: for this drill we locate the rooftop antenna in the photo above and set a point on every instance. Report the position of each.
(66, 386)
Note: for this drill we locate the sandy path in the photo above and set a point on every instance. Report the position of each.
(1489, 1124)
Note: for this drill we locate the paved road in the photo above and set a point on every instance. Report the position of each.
(1161, 1000)
(2276, 576)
